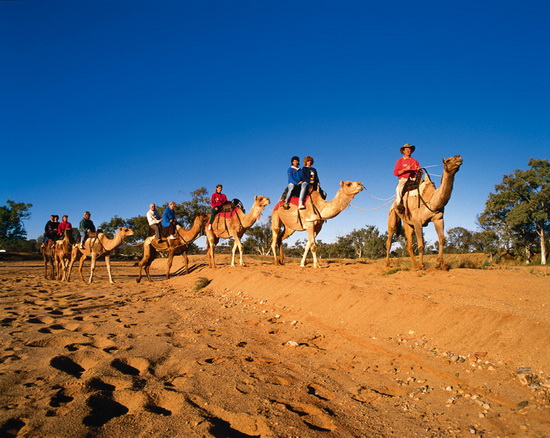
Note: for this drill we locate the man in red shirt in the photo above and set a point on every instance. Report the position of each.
(216, 201)
(405, 167)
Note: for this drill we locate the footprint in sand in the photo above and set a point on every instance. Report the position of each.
(103, 409)
(67, 365)
(315, 418)
(231, 424)
(12, 427)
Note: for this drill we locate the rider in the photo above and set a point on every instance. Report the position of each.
(310, 178)
(405, 167)
(216, 201)
(294, 178)
(169, 220)
(86, 226)
(63, 225)
(154, 220)
(50, 230)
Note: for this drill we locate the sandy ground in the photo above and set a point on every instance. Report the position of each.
(349, 350)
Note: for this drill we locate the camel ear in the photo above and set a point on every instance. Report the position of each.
(256, 198)
(341, 183)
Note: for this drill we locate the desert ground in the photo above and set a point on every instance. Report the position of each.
(353, 349)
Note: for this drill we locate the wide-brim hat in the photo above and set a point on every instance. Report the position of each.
(407, 145)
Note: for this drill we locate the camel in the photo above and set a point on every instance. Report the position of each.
(419, 211)
(185, 237)
(234, 227)
(285, 222)
(64, 250)
(48, 254)
(96, 247)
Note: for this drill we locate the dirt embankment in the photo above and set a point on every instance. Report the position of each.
(346, 350)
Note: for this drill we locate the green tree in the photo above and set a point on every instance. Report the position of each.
(459, 240)
(486, 241)
(362, 243)
(258, 239)
(187, 211)
(12, 230)
(521, 206)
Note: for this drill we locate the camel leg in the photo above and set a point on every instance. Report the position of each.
(276, 242)
(92, 267)
(70, 268)
(185, 261)
(439, 229)
(237, 244)
(420, 242)
(143, 261)
(210, 245)
(393, 226)
(108, 263)
(169, 263)
(409, 231)
(310, 245)
(80, 266)
(45, 267)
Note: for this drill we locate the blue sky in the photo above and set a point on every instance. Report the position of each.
(110, 105)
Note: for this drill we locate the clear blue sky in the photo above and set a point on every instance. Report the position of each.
(110, 105)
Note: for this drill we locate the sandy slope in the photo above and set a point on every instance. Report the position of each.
(276, 351)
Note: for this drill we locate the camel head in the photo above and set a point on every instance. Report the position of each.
(351, 188)
(261, 201)
(124, 232)
(452, 164)
(202, 219)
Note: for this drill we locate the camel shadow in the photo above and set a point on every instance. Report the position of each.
(192, 268)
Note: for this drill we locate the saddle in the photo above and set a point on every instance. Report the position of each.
(296, 193)
(229, 206)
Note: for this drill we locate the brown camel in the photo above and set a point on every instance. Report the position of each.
(419, 211)
(234, 227)
(96, 247)
(285, 222)
(64, 250)
(184, 238)
(48, 254)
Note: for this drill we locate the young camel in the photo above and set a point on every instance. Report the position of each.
(234, 227)
(48, 254)
(184, 238)
(64, 250)
(419, 211)
(96, 247)
(285, 222)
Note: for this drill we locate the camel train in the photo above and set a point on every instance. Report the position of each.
(418, 207)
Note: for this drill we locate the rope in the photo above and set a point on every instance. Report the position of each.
(380, 199)
(375, 208)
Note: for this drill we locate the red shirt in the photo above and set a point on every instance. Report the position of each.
(402, 163)
(63, 226)
(217, 199)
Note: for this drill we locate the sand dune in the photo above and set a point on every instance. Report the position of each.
(347, 350)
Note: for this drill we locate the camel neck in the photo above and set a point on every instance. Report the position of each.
(330, 209)
(441, 196)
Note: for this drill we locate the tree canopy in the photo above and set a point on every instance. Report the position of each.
(520, 207)
(12, 216)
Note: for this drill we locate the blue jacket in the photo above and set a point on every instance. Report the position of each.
(167, 215)
(294, 175)
(309, 175)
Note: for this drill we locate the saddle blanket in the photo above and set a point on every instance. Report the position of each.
(228, 214)
(294, 200)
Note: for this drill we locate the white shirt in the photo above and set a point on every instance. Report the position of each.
(153, 217)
